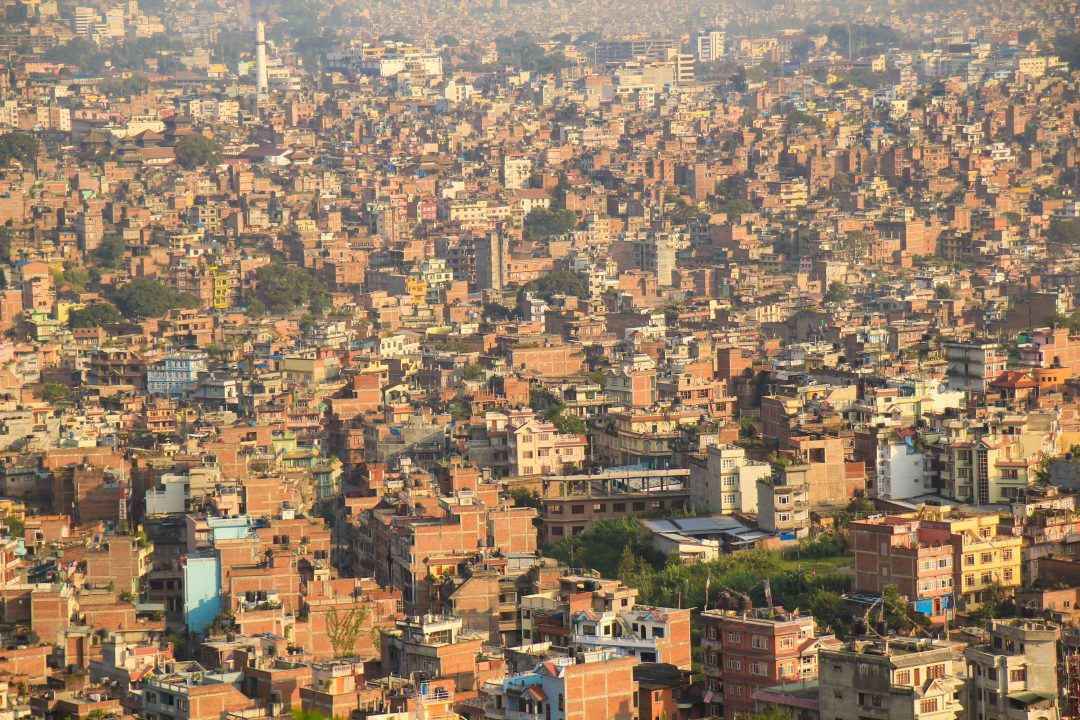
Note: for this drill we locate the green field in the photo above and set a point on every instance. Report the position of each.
(839, 562)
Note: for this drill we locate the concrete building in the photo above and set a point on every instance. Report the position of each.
(202, 590)
(902, 470)
(590, 685)
(894, 679)
(433, 646)
(722, 480)
(572, 503)
(983, 556)
(492, 261)
(176, 373)
(1014, 676)
(784, 501)
(973, 365)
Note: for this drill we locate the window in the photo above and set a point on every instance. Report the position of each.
(903, 677)
(987, 557)
(787, 642)
(151, 697)
(639, 506)
(758, 668)
(1006, 554)
(928, 706)
(935, 671)
(619, 507)
(1018, 675)
(658, 632)
(759, 642)
(577, 509)
(969, 560)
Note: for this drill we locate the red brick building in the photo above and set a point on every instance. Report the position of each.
(747, 651)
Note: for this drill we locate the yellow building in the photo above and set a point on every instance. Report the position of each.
(984, 555)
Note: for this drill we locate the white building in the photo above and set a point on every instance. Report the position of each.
(723, 480)
(902, 471)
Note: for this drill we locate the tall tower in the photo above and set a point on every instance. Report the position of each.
(261, 84)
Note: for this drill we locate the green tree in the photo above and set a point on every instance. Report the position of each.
(943, 291)
(110, 252)
(7, 237)
(560, 282)
(747, 428)
(524, 497)
(831, 611)
(857, 508)
(542, 223)
(14, 525)
(678, 210)
(78, 52)
(52, 392)
(343, 629)
(195, 150)
(473, 372)
(18, 146)
(143, 297)
(1065, 232)
(769, 712)
(283, 288)
(735, 206)
(994, 604)
(95, 315)
(838, 292)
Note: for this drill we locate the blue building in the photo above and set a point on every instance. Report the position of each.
(202, 590)
(176, 373)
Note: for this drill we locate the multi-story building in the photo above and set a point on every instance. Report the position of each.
(973, 365)
(983, 556)
(186, 693)
(589, 685)
(1014, 676)
(722, 480)
(176, 373)
(900, 551)
(435, 646)
(902, 469)
(536, 447)
(599, 614)
(633, 382)
(893, 679)
(743, 652)
(784, 501)
(646, 439)
(571, 503)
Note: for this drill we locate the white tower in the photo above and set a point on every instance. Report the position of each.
(261, 84)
